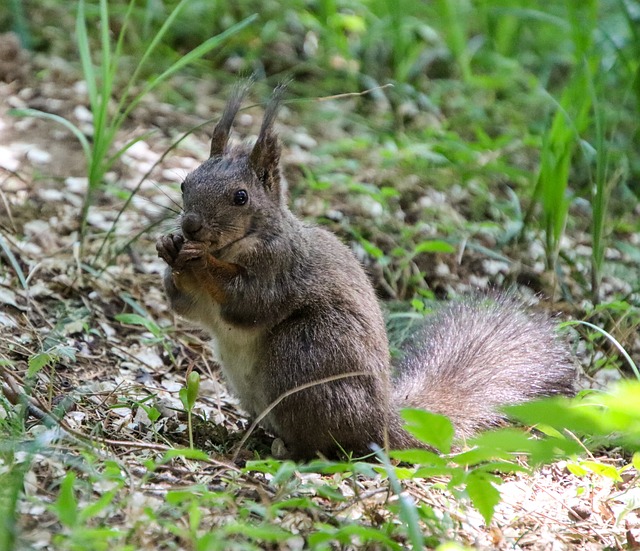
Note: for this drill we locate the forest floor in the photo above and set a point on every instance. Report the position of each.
(104, 377)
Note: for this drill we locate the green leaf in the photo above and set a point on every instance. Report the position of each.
(607, 471)
(484, 495)
(421, 457)
(408, 510)
(153, 414)
(136, 319)
(182, 394)
(177, 497)
(264, 532)
(285, 473)
(193, 386)
(434, 246)
(331, 467)
(346, 533)
(499, 443)
(331, 493)
(372, 249)
(430, 428)
(187, 453)
(293, 503)
(39, 361)
(66, 505)
(268, 466)
(96, 508)
(576, 469)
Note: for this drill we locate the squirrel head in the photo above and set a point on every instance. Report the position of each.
(236, 192)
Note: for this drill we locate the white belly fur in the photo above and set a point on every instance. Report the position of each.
(237, 351)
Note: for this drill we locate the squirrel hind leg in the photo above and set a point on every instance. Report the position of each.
(479, 354)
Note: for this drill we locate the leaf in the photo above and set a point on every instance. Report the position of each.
(328, 492)
(96, 508)
(152, 413)
(484, 495)
(66, 505)
(182, 394)
(187, 453)
(430, 428)
(607, 471)
(345, 534)
(193, 386)
(263, 532)
(39, 361)
(285, 473)
(268, 466)
(434, 246)
(422, 457)
(576, 469)
(136, 319)
(371, 249)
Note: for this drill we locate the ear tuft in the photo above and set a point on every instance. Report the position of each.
(265, 156)
(222, 129)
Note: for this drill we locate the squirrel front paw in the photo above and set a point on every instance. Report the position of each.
(192, 254)
(169, 247)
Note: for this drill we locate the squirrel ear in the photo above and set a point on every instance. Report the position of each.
(222, 129)
(265, 156)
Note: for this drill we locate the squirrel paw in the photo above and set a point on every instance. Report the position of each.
(191, 252)
(169, 246)
(279, 449)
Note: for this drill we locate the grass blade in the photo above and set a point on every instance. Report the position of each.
(149, 50)
(14, 262)
(612, 339)
(84, 142)
(599, 199)
(408, 510)
(193, 55)
(119, 43)
(88, 69)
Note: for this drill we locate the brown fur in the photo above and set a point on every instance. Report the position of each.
(287, 304)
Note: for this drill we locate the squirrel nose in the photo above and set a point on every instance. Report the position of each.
(191, 224)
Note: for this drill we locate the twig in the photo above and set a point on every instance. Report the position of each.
(352, 94)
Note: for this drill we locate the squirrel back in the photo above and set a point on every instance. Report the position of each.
(299, 333)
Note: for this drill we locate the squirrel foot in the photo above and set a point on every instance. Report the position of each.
(279, 449)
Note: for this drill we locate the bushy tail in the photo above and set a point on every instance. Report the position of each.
(476, 355)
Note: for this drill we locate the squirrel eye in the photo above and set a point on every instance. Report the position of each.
(182, 187)
(240, 197)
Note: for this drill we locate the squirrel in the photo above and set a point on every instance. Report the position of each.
(288, 305)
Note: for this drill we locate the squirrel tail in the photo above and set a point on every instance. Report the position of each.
(479, 354)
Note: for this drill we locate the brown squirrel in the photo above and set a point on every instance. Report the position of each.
(289, 305)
